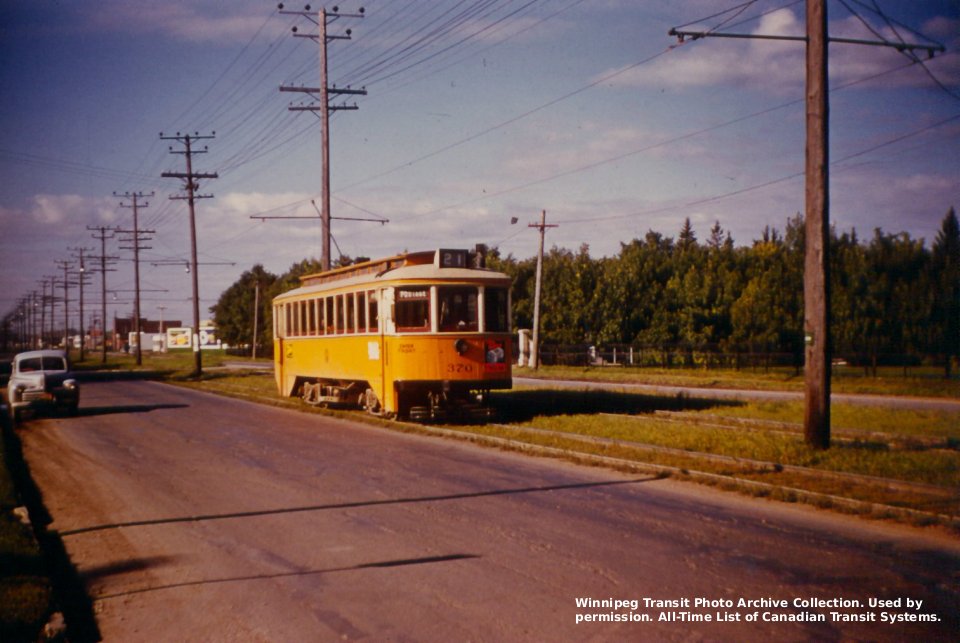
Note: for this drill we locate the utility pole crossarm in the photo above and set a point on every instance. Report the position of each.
(330, 90)
(683, 35)
(194, 175)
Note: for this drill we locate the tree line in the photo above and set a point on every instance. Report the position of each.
(892, 298)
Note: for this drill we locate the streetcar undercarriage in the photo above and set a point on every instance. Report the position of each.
(418, 401)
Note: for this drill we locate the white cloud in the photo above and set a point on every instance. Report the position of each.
(199, 21)
(778, 66)
(769, 64)
(72, 208)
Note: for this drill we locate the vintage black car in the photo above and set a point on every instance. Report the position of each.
(42, 379)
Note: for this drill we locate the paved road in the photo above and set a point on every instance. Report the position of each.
(889, 401)
(193, 517)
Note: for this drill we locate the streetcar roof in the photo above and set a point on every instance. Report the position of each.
(412, 267)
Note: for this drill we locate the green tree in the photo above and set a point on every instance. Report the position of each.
(851, 308)
(566, 296)
(895, 264)
(234, 311)
(768, 314)
(630, 290)
(523, 274)
(945, 278)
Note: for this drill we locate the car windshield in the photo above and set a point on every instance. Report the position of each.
(46, 363)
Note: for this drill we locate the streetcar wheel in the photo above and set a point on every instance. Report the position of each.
(371, 403)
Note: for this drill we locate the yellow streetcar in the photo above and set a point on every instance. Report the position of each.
(422, 336)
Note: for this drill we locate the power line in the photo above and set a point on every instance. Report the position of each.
(605, 78)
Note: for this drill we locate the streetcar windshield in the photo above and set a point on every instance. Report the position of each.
(458, 308)
(413, 309)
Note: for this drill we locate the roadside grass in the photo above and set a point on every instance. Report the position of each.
(862, 419)
(172, 364)
(25, 590)
(914, 381)
(861, 456)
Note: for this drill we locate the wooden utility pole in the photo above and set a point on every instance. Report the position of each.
(43, 313)
(66, 303)
(103, 233)
(190, 179)
(535, 349)
(256, 315)
(816, 267)
(322, 94)
(137, 237)
(82, 278)
(52, 301)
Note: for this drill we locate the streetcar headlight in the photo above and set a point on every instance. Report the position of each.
(461, 346)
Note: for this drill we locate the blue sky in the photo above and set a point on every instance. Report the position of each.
(476, 112)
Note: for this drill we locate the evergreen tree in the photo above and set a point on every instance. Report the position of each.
(946, 284)
(890, 296)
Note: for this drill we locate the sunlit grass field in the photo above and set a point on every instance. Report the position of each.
(915, 381)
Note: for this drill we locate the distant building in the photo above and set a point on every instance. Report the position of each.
(123, 326)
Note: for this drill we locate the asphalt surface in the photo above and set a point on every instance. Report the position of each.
(194, 517)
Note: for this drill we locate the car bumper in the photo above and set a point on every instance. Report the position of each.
(38, 398)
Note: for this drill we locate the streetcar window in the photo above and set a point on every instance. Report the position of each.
(321, 323)
(351, 312)
(340, 315)
(372, 311)
(311, 317)
(330, 316)
(413, 309)
(458, 308)
(362, 312)
(496, 313)
(302, 305)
